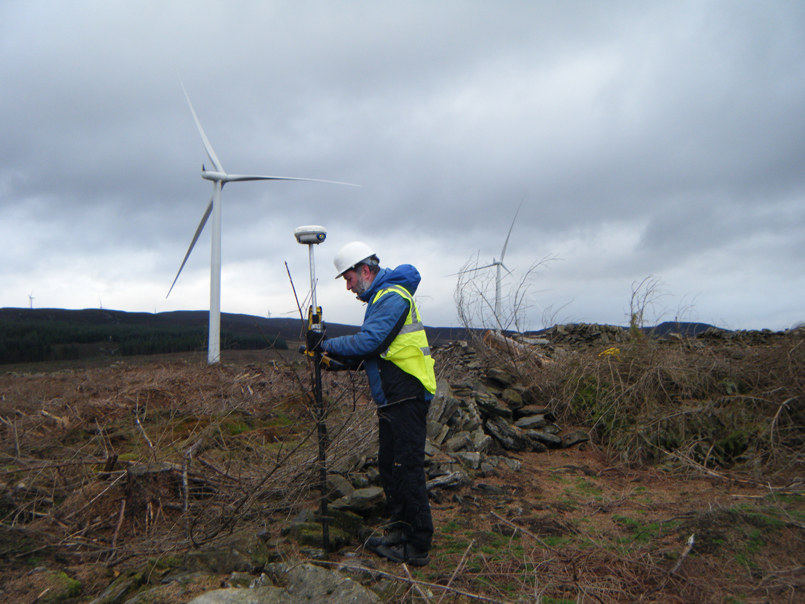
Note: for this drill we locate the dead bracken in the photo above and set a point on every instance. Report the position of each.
(147, 471)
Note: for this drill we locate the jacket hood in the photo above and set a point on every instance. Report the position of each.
(405, 275)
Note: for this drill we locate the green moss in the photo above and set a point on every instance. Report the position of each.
(60, 587)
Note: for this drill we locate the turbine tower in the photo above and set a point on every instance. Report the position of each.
(219, 178)
(498, 264)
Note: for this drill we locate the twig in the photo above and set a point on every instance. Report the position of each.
(16, 439)
(186, 461)
(458, 569)
(119, 521)
(145, 436)
(415, 583)
(52, 466)
(212, 467)
(526, 532)
(103, 440)
(684, 555)
(454, 590)
(707, 471)
(250, 494)
(91, 501)
(776, 417)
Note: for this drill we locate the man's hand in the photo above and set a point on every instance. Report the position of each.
(313, 340)
(331, 364)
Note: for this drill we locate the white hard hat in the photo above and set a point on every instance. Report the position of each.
(350, 255)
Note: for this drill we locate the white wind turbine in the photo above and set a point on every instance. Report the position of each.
(498, 264)
(219, 177)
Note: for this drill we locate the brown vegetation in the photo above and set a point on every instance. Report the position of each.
(124, 463)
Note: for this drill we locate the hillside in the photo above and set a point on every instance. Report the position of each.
(163, 478)
(72, 334)
(88, 333)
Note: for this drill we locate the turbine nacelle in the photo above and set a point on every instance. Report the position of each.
(214, 176)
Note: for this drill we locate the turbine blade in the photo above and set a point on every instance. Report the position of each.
(242, 177)
(470, 270)
(506, 269)
(207, 145)
(506, 243)
(192, 244)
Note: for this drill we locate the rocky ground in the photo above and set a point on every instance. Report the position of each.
(160, 480)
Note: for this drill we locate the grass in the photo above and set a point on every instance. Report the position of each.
(680, 437)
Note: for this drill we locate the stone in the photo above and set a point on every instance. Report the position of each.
(474, 420)
(531, 422)
(338, 487)
(125, 584)
(528, 410)
(360, 500)
(306, 584)
(458, 442)
(373, 475)
(454, 479)
(441, 469)
(491, 406)
(462, 389)
(240, 552)
(471, 459)
(431, 450)
(443, 433)
(574, 438)
(512, 398)
(488, 467)
(237, 579)
(500, 377)
(232, 595)
(443, 404)
(310, 535)
(510, 463)
(457, 420)
(538, 447)
(509, 437)
(481, 441)
(550, 440)
(360, 481)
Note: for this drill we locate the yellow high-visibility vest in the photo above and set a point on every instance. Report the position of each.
(410, 350)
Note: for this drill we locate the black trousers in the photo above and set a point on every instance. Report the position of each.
(401, 461)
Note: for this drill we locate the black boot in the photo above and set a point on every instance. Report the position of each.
(391, 538)
(404, 552)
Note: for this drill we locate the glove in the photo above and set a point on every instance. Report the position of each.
(314, 339)
(332, 364)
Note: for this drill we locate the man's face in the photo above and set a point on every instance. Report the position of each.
(358, 279)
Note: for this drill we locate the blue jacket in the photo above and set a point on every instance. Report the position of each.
(381, 324)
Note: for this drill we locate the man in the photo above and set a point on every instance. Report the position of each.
(393, 348)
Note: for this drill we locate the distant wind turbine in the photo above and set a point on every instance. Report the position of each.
(498, 264)
(31, 299)
(219, 177)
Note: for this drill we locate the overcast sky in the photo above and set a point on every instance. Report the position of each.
(646, 140)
